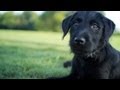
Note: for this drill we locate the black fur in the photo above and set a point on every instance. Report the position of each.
(94, 57)
(67, 64)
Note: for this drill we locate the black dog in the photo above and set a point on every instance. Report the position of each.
(94, 57)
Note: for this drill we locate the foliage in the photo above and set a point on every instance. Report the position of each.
(29, 20)
(52, 20)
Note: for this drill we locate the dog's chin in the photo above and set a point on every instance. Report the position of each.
(81, 52)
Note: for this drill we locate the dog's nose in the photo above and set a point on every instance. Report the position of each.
(79, 41)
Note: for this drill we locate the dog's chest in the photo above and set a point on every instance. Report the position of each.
(91, 68)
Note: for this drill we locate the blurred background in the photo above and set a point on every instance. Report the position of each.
(31, 44)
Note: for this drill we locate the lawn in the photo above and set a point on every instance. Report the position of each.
(35, 55)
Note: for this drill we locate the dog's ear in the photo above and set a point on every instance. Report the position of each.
(109, 27)
(66, 24)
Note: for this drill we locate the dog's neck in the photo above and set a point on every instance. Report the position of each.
(93, 58)
(96, 53)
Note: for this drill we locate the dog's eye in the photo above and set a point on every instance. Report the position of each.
(94, 26)
(77, 21)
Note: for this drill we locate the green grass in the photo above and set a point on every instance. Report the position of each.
(36, 55)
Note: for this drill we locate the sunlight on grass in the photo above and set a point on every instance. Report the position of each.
(29, 54)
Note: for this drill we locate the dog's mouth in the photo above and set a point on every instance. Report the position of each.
(83, 51)
(85, 54)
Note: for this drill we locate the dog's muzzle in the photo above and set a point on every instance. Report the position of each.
(79, 41)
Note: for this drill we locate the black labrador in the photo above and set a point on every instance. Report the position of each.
(94, 57)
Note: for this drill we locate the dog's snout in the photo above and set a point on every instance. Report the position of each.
(79, 41)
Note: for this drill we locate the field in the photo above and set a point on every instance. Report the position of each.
(36, 55)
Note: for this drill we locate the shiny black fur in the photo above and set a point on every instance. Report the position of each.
(96, 58)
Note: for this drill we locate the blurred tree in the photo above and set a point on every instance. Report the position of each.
(51, 20)
(30, 20)
(7, 20)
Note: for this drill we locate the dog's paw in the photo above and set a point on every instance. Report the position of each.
(67, 64)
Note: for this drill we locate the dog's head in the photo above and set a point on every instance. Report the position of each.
(89, 31)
